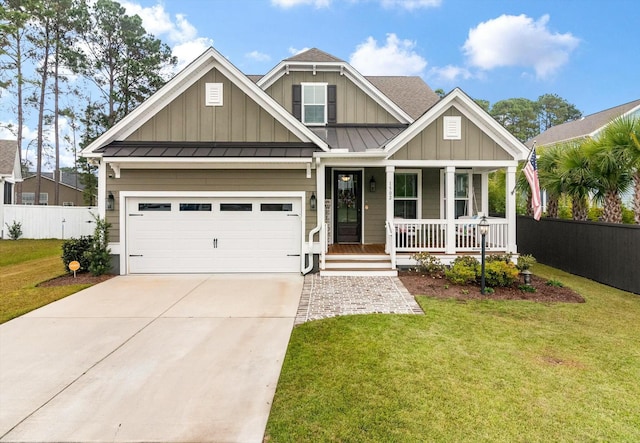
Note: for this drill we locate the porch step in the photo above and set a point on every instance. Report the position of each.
(358, 265)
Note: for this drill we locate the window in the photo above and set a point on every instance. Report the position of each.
(314, 103)
(195, 207)
(236, 207)
(276, 207)
(462, 193)
(154, 206)
(406, 203)
(68, 204)
(28, 198)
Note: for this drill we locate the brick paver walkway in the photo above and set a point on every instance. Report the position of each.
(324, 297)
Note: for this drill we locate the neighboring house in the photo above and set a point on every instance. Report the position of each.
(10, 174)
(221, 172)
(71, 189)
(587, 127)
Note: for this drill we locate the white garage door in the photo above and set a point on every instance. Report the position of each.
(182, 235)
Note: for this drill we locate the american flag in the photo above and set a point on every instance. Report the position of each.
(531, 172)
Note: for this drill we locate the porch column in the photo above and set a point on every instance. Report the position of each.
(484, 177)
(450, 210)
(320, 190)
(510, 210)
(389, 186)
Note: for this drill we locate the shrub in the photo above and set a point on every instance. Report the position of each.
(527, 288)
(464, 270)
(506, 258)
(98, 254)
(525, 262)
(15, 230)
(76, 249)
(499, 273)
(428, 263)
(556, 283)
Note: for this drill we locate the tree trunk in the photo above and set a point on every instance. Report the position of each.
(636, 197)
(56, 117)
(579, 209)
(552, 206)
(612, 211)
(20, 109)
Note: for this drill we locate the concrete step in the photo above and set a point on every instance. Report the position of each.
(358, 272)
(365, 264)
(357, 257)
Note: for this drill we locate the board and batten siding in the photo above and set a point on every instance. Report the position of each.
(429, 144)
(186, 118)
(353, 105)
(215, 180)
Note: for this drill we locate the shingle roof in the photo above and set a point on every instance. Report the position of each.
(67, 178)
(8, 152)
(583, 127)
(411, 94)
(314, 55)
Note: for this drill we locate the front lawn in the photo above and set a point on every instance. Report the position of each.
(468, 371)
(24, 264)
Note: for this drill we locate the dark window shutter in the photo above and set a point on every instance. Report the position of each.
(332, 111)
(297, 102)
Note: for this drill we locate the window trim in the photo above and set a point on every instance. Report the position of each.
(418, 173)
(303, 104)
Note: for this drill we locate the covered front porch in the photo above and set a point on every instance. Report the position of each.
(389, 213)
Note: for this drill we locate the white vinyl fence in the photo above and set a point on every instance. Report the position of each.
(50, 221)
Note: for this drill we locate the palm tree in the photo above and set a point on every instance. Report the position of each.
(550, 178)
(622, 138)
(611, 172)
(577, 176)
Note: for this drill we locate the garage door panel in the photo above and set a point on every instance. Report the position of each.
(212, 240)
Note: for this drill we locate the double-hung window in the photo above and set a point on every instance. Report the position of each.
(314, 103)
(406, 202)
(463, 194)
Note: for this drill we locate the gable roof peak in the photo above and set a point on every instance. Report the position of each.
(314, 55)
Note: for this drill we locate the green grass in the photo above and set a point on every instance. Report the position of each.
(494, 371)
(24, 264)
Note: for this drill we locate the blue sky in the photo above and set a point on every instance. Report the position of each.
(586, 51)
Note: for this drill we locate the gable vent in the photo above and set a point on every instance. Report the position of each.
(452, 127)
(213, 94)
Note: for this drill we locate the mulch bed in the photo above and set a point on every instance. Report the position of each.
(84, 278)
(440, 287)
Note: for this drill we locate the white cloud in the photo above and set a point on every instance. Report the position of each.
(519, 41)
(396, 57)
(292, 3)
(450, 73)
(294, 51)
(258, 56)
(411, 4)
(181, 35)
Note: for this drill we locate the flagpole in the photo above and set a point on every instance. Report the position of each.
(533, 146)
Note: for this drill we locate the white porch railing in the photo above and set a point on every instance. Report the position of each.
(431, 235)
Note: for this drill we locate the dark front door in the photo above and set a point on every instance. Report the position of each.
(348, 206)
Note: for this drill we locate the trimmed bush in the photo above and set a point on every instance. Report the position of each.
(15, 230)
(98, 254)
(499, 273)
(75, 249)
(525, 262)
(428, 263)
(464, 270)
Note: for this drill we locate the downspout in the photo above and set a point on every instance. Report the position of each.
(318, 226)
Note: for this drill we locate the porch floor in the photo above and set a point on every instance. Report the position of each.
(360, 249)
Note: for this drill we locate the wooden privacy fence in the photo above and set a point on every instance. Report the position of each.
(604, 252)
(50, 221)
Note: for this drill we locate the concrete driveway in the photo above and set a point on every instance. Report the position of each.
(189, 358)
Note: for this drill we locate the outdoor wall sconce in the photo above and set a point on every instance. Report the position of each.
(372, 184)
(111, 202)
(313, 202)
(484, 228)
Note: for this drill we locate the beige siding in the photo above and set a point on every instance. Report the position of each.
(186, 118)
(477, 194)
(353, 104)
(211, 180)
(375, 215)
(430, 145)
(431, 193)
